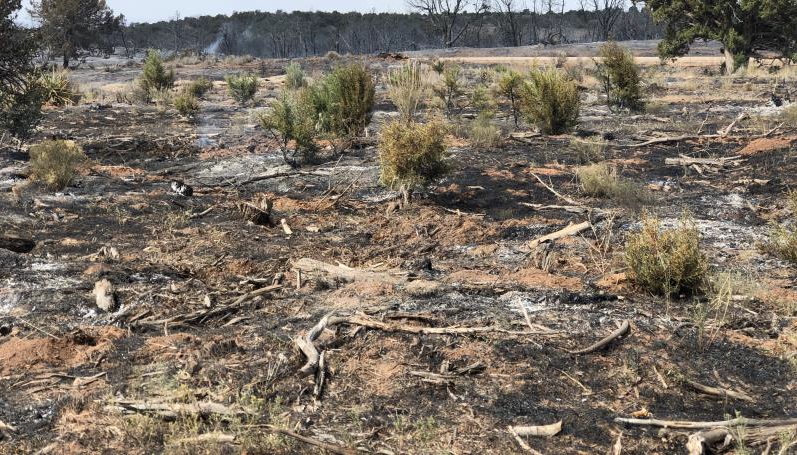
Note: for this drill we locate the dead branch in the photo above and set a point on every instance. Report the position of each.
(664, 140)
(688, 161)
(567, 208)
(556, 193)
(365, 321)
(624, 328)
(695, 425)
(572, 229)
(307, 265)
(6, 427)
(729, 128)
(171, 411)
(719, 392)
(538, 430)
(307, 347)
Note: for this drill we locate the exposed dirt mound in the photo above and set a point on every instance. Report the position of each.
(766, 144)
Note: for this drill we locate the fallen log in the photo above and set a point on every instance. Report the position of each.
(622, 330)
(572, 229)
(697, 425)
(171, 411)
(689, 161)
(307, 265)
(538, 430)
(331, 448)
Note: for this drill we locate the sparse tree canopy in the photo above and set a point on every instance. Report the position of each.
(742, 26)
(450, 18)
(72, 28)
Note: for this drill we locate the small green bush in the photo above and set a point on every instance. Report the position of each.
(187, 104)
(294, 76)
(551, 101)
(58, 87)
(618, 73)
(198, 88)
(56, 163)
(510, 84)
(782, 240)
(666, 261)
(344, 100)
(154, 76)
(242, 87)
(292, 122)
(407, 87)
(411, 154)
(483, 133)
(450, 89)
(21, 108)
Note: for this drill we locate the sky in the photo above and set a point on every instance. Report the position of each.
(157, 10)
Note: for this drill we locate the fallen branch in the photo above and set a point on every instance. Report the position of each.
(664, 140)
(697, 425)
(171, 411)
(307, 265)
(624, 328)
(538, 430)
(572, 229)
(332, 448)
(719, 392)
(556, 193)
(688, 161)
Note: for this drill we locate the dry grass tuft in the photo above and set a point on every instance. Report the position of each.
(56, 163)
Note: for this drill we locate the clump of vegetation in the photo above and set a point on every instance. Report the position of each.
(782, 240)
(294, 76)
(187, 104)
(482, 132)
(154, 76)
(58, 88)
(510, 84)
(344, 100)
(242, 87)
(407, 87)
(601, 180)
(450, 89)
(292, 122)
(551, 101)
(667, 261)
(332, 56)
(198, 88)
(588, 152)
(619, 75)
(55, 163)
(411, 154)
(21, 108)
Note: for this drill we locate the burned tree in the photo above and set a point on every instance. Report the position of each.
(450, 18)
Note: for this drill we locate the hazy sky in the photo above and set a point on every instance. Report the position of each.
(155, 10)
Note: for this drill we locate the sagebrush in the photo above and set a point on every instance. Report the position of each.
(666, 261)
(56, 163)
(242, 87)
(411, 154)
(187, 104)
(199, 87)
(551, 101)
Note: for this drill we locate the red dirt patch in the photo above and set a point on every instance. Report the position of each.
(32, 354)
(765, 144)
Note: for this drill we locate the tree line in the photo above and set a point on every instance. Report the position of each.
(300, 34)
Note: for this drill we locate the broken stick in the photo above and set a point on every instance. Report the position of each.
(717, 391)
(624, 328)
(572, 229)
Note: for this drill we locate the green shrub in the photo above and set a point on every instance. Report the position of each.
(483, 133)
(551, 101)
(344, 100)
(618, 73)
(292, 122)
(510, 85)
(198, 88)
(187, 104)
(154, 76)
(21, 108)
(407, 87)
(58, 88)
(450, 89)
(242, 87)
(411, 154)
(666, 261)
(294, 76)
(56, 163)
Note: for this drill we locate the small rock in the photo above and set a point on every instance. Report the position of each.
(181, 188)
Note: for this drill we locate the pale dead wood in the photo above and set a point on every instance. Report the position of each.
(617, 448)
(622, 330)
(697, 425)
(206, 438)
(521, 442)
(6, 427)
(307, 265)
(307, 347)
(202, 213)
(320, 376)
(370, 323)
(538, 430)
(572, 229)
(689, 161)
(729, 128)
(717, 391)
(172, 411)
(664, 140)
(567, 208)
